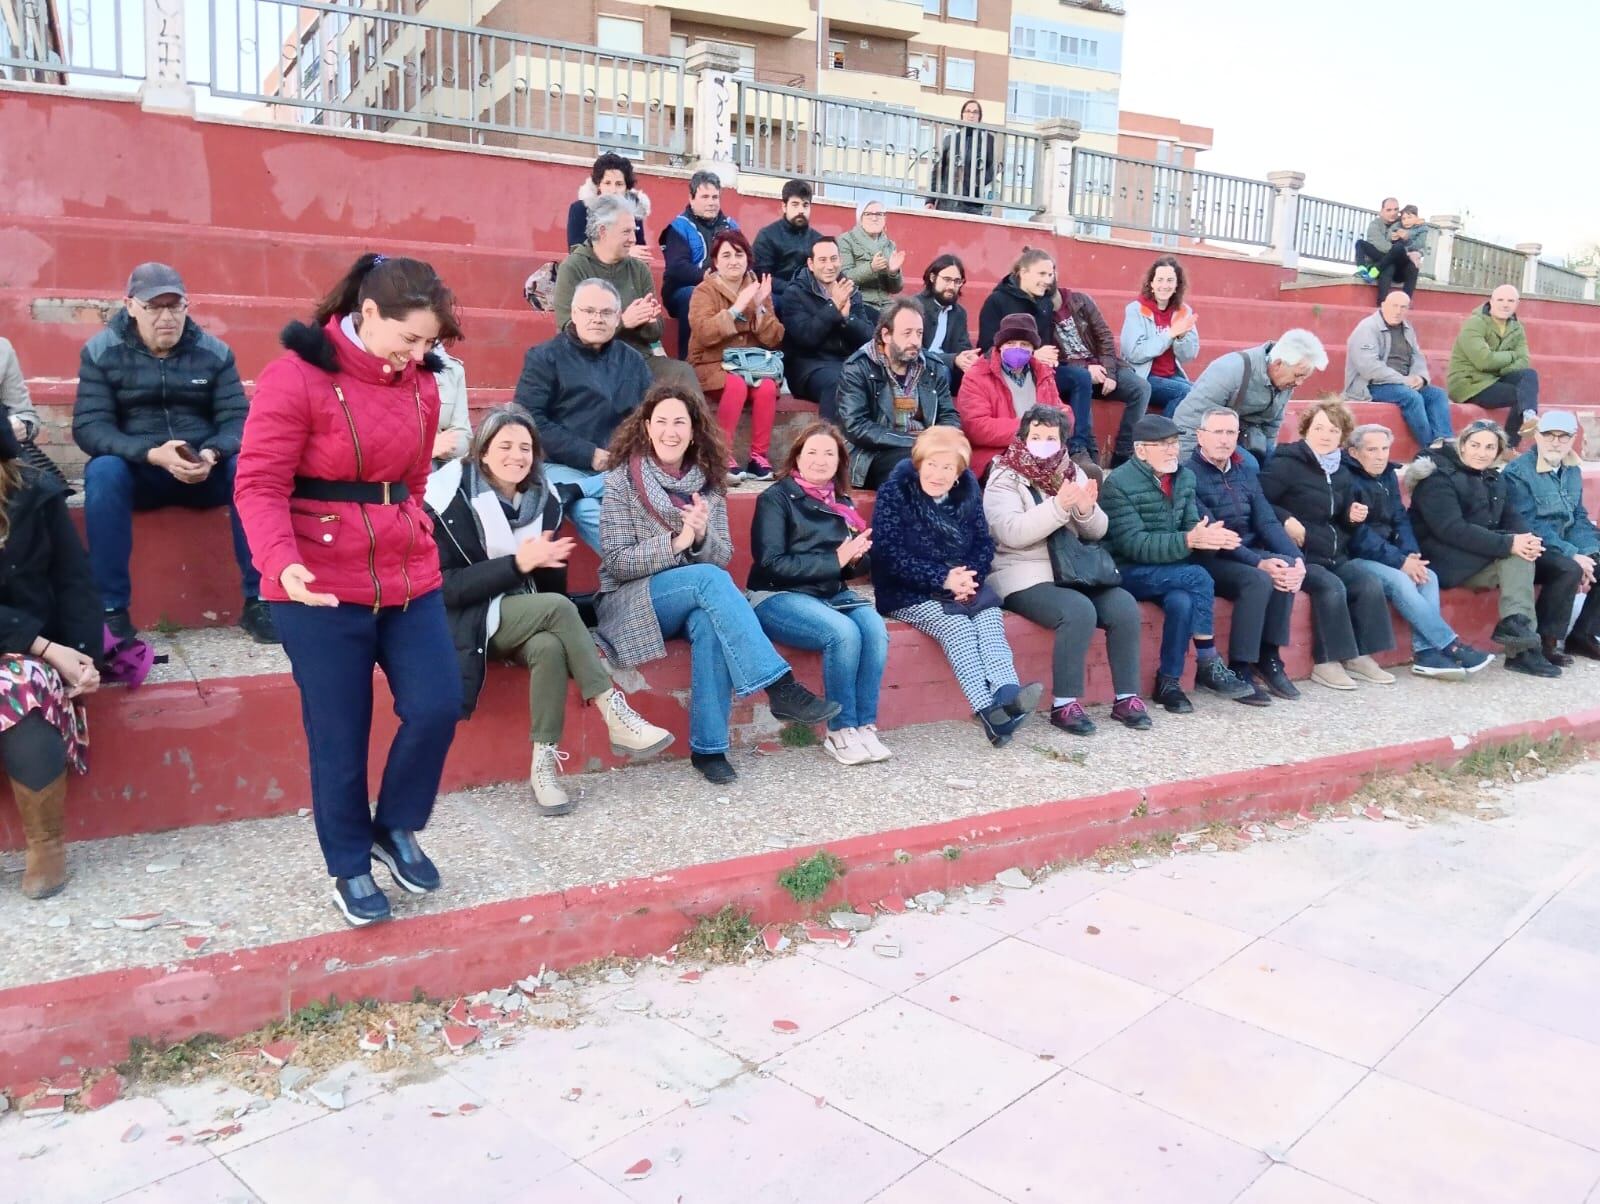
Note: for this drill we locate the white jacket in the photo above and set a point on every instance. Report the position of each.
(1142, 340)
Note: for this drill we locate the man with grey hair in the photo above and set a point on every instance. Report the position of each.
(1384, 362)
(579, 386)
(1489, 363)
(1255, 384)
(605, 256)
(1384, 256)
(684, 244)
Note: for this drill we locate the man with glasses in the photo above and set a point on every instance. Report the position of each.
(1255, 384)
(945, 336)
(160, 412)
(1547, 490)
(579, 386)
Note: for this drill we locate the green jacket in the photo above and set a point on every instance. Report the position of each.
(856, 249)
(629, 276)
(1144, 527)
(1482, 355)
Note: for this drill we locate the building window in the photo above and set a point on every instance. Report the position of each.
(836, 53)
(619, 35)
(961, 10)
(1066, 45)
(616, 132)
(1097, 111)
(924, 68)
(932, 7)
(958, 74)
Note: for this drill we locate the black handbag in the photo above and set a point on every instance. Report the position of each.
(1075, 564)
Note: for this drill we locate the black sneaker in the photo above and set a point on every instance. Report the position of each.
(1554, 655)
(119, 624)
(1515, 634)
(360, 901)
(257, 622)
(792, 702)
(1436, 662)
(1257, 697)
(1072, 719)
(405, 860)
(1468, 657)
(998, 724)
(714, 767)
(759, 469)
(1170, 695)
(1532, 663)
(1215, 676)
(1273, 675)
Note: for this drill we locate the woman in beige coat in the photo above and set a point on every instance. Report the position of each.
(1041, 511)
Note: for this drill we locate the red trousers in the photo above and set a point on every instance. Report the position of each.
(764, 408)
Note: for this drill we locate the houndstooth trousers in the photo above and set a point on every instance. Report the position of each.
(975, 646)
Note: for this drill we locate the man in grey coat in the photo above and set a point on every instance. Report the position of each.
(1256, 384)
(1384, 362)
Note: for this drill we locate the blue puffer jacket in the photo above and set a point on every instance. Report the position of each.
(911, 553)
(1386, 535)
(1235, 500)
(1552, 503)
(684, 245)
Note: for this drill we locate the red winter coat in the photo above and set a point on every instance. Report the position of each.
(371, 555)
(988, 415)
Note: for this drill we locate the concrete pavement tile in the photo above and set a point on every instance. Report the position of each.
(1486, 848)
(1000, 992)
(921, 1078)
(85, 1161)
(1340, 1010)
(205, 1106)
(1154, 945)
(1572, 918)
(1252, 1086)
(360, 1155)
(578, 1185)
(1050, 897)
(928, 945)
(1541, 982)
(1522, 1072)
(1433, 886)
(1557, 809)
(756, 1142)
(209, 1183)
(1283, 1184)
(1399, 1144)
(632, 1070)
(1253, 894)
(1078, 1136)
(931, 1183)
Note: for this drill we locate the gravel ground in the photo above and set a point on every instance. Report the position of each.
(648, 819)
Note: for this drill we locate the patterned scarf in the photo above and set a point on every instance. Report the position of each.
(827, 495)
(1044, 475)
(664, 495)
(906, 412)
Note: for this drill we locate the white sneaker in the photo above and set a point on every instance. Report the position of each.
(844, 747)
(631, 735)
(867, 734)
(544, 778)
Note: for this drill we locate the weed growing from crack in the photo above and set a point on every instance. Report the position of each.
(798, 735)
(951, 852)
(1072, 757)
(724, 937)
(1142, 810)
(809, 878)
(149, 1061)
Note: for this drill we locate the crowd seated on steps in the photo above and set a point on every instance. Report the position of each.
(991, 498)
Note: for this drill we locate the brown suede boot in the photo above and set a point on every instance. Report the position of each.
(43, 821)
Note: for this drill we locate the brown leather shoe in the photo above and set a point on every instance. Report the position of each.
(1585, 646)
(1088, 464)
(43, 822)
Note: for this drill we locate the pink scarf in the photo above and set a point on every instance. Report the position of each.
(827, 496)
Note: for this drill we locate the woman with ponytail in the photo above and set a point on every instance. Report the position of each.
(329, 487)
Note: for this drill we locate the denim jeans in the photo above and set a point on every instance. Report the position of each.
(676, 304)
(332, 651)
(730, 653)
(1187, 599)
(1079, 393)
(1426, 412)
(854, 644)
(585, 512)
(1418, 604)
(1166, 392)
(114, 488)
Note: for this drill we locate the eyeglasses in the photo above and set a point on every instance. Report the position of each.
(949, 278)
(177, 307)
(1560, 435)
(585, 311)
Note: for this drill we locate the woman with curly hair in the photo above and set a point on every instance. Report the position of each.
(1159, 334)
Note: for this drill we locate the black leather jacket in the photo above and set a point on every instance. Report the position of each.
(794, 544)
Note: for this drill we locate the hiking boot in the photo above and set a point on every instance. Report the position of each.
(1072, 719)
(256, 620)
(1364, 668)
(1332, 675)
(1170, 695)
(1554, 655)
(1258, 697)
(545, 780)
(1130, 712)
(1585, 646)
(119, 624)
(759, 468)
(1276, 678)
(1532, 663)
(845, 747)
(1515, 634)
(1088, 465)
(407, 864)
(1434, 662)
(631, 736)
(1213, 675)
(790, 701)
(714, 767)
(867, 733)
(1469, 658)
(360, 901)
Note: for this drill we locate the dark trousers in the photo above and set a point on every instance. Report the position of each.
(33, 751)
(1261, 613)
(114, 488)
(333, 651)
(677, 305)
(1187, 600)
(1349, 614)
(1132, 390)
(1394, 265)
(883, 463)
(1518, 394)
(1588, 624)
(1074, 614)
(819, 383)
(1558, 578)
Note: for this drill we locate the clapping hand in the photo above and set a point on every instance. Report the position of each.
(641, 252)
(965, 359)
(880, 262)
(854, 548)
(764, 294)
(696, 518)
(640, 311)
(897, 261)
(747, 296)
(1077, 495)
(1208, 535)
(543, 552)
(1182, 324)
(842, 290)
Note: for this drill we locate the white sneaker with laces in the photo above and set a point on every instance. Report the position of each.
(631, 735)
(544, 778)
(845, 747)
(867, 734)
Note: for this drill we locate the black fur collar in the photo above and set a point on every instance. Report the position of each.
(312, 344)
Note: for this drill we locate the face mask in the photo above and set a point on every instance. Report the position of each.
(1016, 358)
(1043, 449)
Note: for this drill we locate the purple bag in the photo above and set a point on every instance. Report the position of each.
(127, 661)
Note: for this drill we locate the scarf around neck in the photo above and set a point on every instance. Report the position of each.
(1330, 461)
(664, 495)
(905, 394)
(1045, 475)
(828, 496)
(502, 531)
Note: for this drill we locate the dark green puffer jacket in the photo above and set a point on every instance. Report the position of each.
(1146, 528)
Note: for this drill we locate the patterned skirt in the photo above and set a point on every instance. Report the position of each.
(28, 685)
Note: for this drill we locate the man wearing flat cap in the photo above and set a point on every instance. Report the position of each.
(160, 412)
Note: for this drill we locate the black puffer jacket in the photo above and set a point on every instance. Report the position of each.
(794, 544)
(1007, 299)
(1463, 517)
(781, 251)
(816, 333)
(1386, 535)
(46, 588)
(1298, 488)
(130, 401)
(579, 394)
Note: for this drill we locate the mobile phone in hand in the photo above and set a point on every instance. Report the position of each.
(187, 454)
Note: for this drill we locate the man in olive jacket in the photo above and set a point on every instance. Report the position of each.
(1489, 364)
(888, 394)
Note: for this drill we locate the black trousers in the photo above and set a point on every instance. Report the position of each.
(34, 752)
(1349, 614)
(1261, 613)
(820, 384)
(883, 463)
(1518, 394)
(1558, 578)
(1394, 265)
(1073, 615)
(1588, 624)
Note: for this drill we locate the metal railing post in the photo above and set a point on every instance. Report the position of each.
(1054, 189)
(1530, 268)
(1444, 250)
(166, 76)
(1286, 229)
(1588, 271)
(711, 67)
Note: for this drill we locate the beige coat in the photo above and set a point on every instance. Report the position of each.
(1020, 527)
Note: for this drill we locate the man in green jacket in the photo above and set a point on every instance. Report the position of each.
(1154, 526)
(1489, 364)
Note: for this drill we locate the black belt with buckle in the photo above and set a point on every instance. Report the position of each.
(372, 493)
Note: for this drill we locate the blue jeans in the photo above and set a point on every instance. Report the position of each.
(114, 488)
(1166, 392)
(585, 512)
(729, 652)
(332, 651)
(1418, 604)
(854, 644)
(1187, 598)
(677, 304)
(1076, 387)
(1426, 412)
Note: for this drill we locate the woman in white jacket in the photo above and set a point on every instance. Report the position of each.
(1160, 335)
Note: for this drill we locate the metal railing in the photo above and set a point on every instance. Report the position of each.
(42, 41)
(1553, 280)
(378, 68)
(1483, 265)
(846, 144)
(1329, 230)
(1135, 194)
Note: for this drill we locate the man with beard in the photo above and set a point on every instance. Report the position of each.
(826, 321)
(889, 394)
(945, 336)
(783, 247)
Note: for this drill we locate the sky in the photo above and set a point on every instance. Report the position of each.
(1483, 108)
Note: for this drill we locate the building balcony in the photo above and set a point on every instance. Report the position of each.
(883, 18)
(895, 90)
(783, 18)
